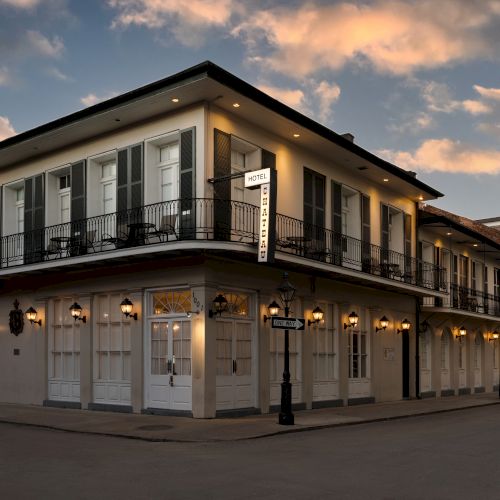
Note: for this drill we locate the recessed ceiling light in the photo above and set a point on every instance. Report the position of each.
(475, 245)
(386, 180)
(449, 234)
(296, 135)
(236, 104)
(175, 99)
(421, 198)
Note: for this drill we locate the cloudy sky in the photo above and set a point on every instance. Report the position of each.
(416, 82)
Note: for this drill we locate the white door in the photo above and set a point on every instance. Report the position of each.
(478, 361)
(425, 362)
(445, 361)
(169, 364)
(359, 364)
(462, 363)
(63, 353)
(234, 381)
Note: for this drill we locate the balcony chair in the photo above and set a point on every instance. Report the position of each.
(166, 228)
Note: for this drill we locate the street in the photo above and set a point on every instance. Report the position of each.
(451, 455)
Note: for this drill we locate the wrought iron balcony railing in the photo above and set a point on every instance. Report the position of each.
(467, 299)
(194, 219)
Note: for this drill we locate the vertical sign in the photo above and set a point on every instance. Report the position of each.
(266, 179)
(264, 222)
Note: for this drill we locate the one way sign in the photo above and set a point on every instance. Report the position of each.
(287, 323)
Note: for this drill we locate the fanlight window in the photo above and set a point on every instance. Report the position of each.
(237, 304)
(173, 302)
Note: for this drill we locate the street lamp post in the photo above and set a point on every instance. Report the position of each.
(287, 294)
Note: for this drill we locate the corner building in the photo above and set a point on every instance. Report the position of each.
(142, 197)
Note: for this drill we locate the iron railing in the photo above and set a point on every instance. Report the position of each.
(467, 299)
(199, 219)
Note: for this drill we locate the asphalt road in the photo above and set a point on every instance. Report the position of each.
(451, 455)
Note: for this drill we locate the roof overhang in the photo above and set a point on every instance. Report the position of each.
(203, 83)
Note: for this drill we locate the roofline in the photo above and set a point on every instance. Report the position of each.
(211, 70)
(489, 219)
(433, 219)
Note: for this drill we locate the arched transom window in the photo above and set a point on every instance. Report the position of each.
(237, 304)
(171, 302)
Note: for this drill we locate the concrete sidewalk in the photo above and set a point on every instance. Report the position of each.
(184, 429)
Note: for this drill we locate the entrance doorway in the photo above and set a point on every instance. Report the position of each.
(169, 364)
(234, 381)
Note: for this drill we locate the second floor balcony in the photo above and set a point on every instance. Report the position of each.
(198, 222)
(466, 301)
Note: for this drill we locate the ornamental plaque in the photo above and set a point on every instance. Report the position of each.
(16, 319)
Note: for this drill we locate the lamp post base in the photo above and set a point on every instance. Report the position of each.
(286, 415)
(286, 419)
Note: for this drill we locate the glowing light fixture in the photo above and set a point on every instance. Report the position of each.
(318, 315)
(353, 319)
(384, 323)
(76, 313)
(31, 316)
(405, 326)
(126, 307)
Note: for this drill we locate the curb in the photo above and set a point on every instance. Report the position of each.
(251, 438)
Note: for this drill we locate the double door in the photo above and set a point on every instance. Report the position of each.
(169, 364)
(234, 378)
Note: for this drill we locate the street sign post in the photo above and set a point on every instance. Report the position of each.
(288, 323)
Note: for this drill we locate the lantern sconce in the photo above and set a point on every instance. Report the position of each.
(384, 323)
(405, 326)
(353, 321)
(220, 305)
(273, 309)
(462, 332)
(494, 335)
(126, 307)
(318, 315)
(76, 312)
(31, 316)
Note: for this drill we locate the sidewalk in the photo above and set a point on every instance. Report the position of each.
(183, 429)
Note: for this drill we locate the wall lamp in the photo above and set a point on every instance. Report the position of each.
(76, 312)
(462, 332)
(405, 326)
(126, 307)
(384, 323)
(353, 321)
(31, 316)
(317, 316)
(494, 336)
(220, 305)
(273, 309)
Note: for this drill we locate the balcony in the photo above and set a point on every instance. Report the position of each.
(467, 300)
(161, 225)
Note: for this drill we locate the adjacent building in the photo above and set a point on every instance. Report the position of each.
(147, 266)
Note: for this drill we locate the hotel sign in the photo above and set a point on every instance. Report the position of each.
(258, 177)
(266, 179)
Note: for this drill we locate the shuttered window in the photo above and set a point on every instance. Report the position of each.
(34, 218)
(187, 184)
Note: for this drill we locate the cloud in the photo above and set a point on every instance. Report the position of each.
(488, 93)
(492, 129)
(446, 155)
(21, 4)
(187, 19)
(6, 128)
(393, 36)
(4, 76)
(291, 97)
(412, 124)
(57, 74)
(328, 94)
(91, 99)
(43, 46)
(438, 98)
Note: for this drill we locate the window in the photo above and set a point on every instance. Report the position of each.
(108, 187)
(463, 271)
(324, 347)
(244, 158)
(20, 210)
(168, 165)
(358, 354)
(444, 351)
(64, 199)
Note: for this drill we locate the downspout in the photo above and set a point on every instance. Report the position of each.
(417, 320)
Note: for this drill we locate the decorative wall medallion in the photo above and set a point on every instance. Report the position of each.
(16, 319)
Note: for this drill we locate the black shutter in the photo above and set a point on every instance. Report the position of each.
(78, 208)
(187, 223)
(222, 189)
(136, 176)
(122, 199)
(268, 160)
(408, 244)
(34, 218)
(337, 222)
(308, 198)
(366, 234)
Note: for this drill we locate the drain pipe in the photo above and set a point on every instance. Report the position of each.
(417, 348)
